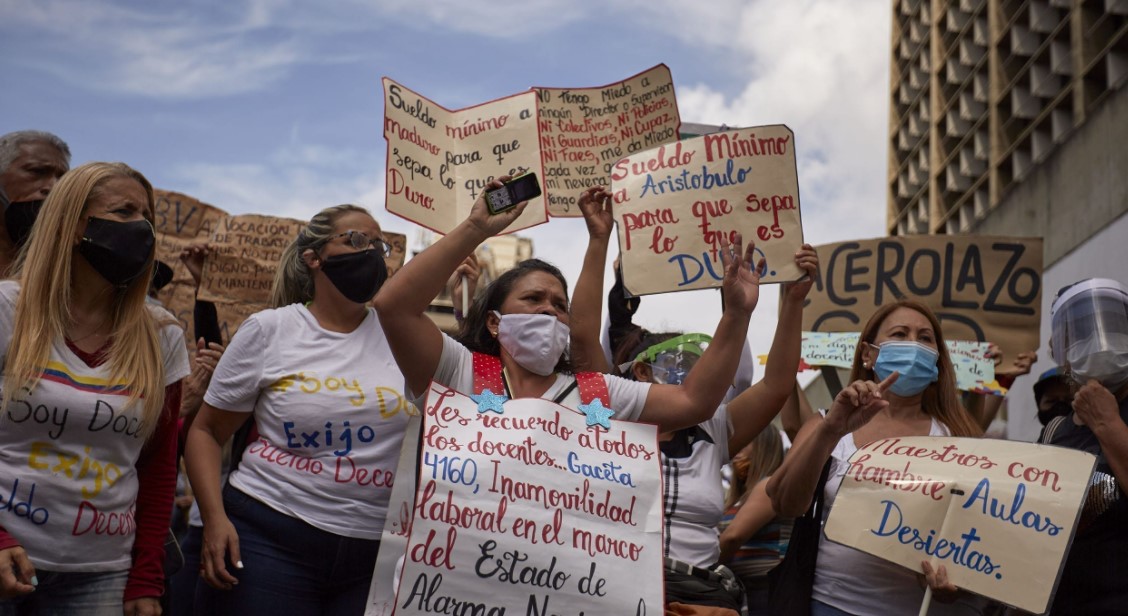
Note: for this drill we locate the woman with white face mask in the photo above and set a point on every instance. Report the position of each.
(1089, 337)
(902, 384)
(522, 320)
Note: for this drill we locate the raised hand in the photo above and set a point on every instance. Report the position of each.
(1095, 406)
(492, 224)
(857, 403)
(467, 273)
(808, 261)
(595, 205)
(741, 284)
(193, 258)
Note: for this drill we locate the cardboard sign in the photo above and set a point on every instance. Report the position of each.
(395, 260)
(999, 515)
(974, 371)
(527, 512)
(674, 204)
(246, 250)
(982, 288)
(180, 221)
(583, 131)
(439, 161)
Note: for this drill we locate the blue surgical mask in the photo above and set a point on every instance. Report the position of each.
(915, 362)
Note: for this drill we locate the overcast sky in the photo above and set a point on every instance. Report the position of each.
(275, 106)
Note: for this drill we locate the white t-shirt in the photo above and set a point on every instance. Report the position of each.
(330, 414)
(456, 370)
(861, 584)
(692, 495)
(68, 454)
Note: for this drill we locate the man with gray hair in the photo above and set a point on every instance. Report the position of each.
(31, 161)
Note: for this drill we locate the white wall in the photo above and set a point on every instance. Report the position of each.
(1104, 255)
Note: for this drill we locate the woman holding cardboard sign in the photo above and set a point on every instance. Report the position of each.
(90, 401)
(522, 320)
(297, 529)
(903, 384)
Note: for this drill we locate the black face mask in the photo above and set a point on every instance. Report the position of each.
(19, 217)
(119, 251)
(357, 275)
(1059, 409)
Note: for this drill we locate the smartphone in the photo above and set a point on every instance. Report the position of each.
(509, 194)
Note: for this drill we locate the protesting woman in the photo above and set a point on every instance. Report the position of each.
(91, 393)
(520, 321)
(297, 528)
(902, 384)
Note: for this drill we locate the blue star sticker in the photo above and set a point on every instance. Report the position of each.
(597, 414)
(489, 401)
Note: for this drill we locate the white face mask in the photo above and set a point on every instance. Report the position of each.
(535, 341)
(1109, 366)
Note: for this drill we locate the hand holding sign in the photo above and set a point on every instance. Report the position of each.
(808, 261)
(595, 205)
(741, 284)
(857, 403)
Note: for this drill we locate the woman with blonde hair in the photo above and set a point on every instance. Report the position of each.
(91, 393)
(297, 527)
(902, 384)
(753, 536)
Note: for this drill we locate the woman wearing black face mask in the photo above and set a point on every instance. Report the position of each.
(297, 528)
(91, 394)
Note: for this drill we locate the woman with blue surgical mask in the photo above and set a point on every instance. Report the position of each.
(902, 384)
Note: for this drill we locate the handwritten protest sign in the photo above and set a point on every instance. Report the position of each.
(246, 250)
(529, 512)
(674, 204)
(398, 242)
(583, 131)
(982, 288)
(999, 515)
(974, 370)
(180, 221)
(439, 161)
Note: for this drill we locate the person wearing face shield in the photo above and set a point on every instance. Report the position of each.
(31, 161)
(1089, 338)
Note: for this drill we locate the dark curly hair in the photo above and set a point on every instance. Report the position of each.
(474, 334)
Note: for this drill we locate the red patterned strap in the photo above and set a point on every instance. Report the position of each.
(487, 374)
(593, 387)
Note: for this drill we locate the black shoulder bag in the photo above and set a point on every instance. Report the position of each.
(791, 582)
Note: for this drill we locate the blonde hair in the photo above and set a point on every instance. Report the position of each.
(756, 462)
(293, 282)
(941, 399)
(43, 309)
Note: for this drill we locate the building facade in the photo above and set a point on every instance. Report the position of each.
(1009, 117)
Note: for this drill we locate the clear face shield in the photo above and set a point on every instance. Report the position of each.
(1089, 335)
(671, 361)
